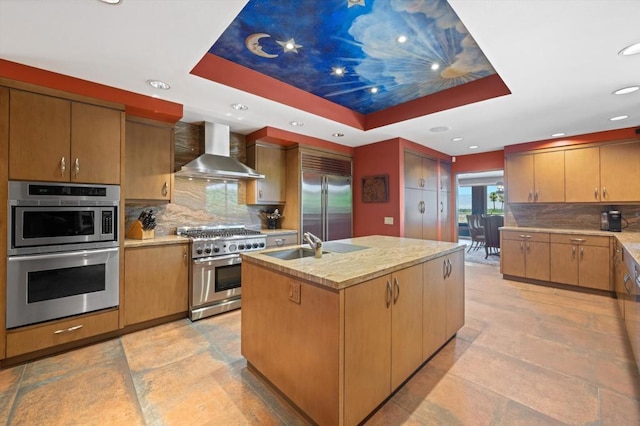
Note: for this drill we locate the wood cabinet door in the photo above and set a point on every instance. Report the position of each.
(433, 306)
(537, 260)
(406, 332)
(594, 267)
(455, 294)
(271, 162)
(445, 216)
(39, 137)
(430, 173)
(95, 144)
(519, 178)
(413, 177)
(549, 177)
(620, 172)
(413, 213)
(564, 263)
(430, 215)
(148, 163)
(512, 257)
(156, 280)
(367, 347)
(582, 175)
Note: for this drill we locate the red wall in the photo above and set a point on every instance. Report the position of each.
(480, 162)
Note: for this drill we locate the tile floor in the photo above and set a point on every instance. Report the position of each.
(528, 355)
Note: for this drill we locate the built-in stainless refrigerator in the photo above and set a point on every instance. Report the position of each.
(326, 205)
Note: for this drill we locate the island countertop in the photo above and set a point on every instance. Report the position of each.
(383, 255)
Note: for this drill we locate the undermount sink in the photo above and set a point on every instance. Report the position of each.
(336, 247)
(290, 254)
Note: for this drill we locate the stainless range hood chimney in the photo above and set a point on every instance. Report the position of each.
(216, 163)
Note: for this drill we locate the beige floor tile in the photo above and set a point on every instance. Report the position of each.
(619, 410)
(9, 382)
(518, 415)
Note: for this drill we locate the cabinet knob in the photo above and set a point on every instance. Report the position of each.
(63, 166)
(165, 189)
(76, 167)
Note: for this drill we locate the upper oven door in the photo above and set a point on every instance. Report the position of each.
(52, 225)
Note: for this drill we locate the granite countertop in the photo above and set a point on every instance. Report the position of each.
(629, 240)
(278, 231)
(382, 256)
(157, 241)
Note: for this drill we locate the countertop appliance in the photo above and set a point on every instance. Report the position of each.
(615, 220)
(215, 280)
(326, 197)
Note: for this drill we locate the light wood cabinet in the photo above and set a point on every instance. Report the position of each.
(4, 155)
(420, 214)
(155, 282)
(580, 260)
(525, 254)
(149, 161)
(54, 139)
(582, 167)
(535, 178)
(271, 161)
(620, 172)
(443, 301)
(444, 199)
(53, 333)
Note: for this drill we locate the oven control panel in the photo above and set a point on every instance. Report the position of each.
(218, 247)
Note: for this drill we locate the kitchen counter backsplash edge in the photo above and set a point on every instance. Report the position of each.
(157, 241)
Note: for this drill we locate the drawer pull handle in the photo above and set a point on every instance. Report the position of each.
(578, 240)
(76, 167)
(396, 290)
(279, 242)
(165, 189)
(63, 166)
(389, 293)
(595, 193)
(68, 330)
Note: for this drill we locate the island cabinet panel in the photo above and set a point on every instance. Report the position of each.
(581, 260)
(454, 280)
(295, 345)
(156, 280)
(525, 254)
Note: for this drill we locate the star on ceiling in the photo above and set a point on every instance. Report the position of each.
(355, 3)
(290, 45)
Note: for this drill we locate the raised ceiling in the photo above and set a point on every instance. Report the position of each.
(559, 59)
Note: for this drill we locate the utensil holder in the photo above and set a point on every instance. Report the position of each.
(136, 232)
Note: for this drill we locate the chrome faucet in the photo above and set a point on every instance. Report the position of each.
(315, 243)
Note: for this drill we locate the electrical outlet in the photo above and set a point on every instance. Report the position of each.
(388, 220)
(294, 292)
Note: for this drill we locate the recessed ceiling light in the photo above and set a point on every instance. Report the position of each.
(619, 117)
(239, 107)
(337, 135)
(374, 90)
(473, 147)
(634, 49)
(296, 123)
(557, 135)
(401, 39)
(157, 84)
(626, 90)
(339, 71)
(439, 129)
(111, 1)
(435, 66)
(457, 139)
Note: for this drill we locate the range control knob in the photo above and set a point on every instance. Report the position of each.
(199, 250)
(216, 249)
(261, 245)
(255, 245)
(208, 250)
(241, 247)
(232, 247)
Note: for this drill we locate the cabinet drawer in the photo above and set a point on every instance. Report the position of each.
(279, 240)
(33, 338)
(588, 240)
(522, 235)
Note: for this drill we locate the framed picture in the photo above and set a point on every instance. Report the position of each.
(375, 189)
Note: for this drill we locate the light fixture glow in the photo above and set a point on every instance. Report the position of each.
(158, 84)
(626, 90)
(296, 123)
(401, 39)
(473, 147)
(435, 66)
(457, 139)
(634, 49)
(439, 129)
(557, 135)
(374, 90)
(337, 135)
(339, 71)
(112, 2)
(619, 117)
(239, 107)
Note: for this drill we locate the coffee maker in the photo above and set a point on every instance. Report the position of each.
(615, 220)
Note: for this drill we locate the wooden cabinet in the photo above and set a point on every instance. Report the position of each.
(632, 305)
(582, 167)
(535, 178)
(620, 172)
(53, 333)
(155, 282)
(271, 161)
(420, 214)
(420, 172)
(525, 254)
(444, 200)
(54, 139)
(149, 160)
(580, 260)
(383, 338)
(443, 301)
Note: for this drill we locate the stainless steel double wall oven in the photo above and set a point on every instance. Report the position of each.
(62, 250)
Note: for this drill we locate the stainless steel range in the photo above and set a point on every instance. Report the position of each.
(214, 286)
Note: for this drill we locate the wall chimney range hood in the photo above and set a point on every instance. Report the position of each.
(216, 163)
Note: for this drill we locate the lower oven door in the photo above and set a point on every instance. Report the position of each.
(56, 285)
(215, 279)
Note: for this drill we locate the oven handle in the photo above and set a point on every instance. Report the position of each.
(216, 259)
(61, 255)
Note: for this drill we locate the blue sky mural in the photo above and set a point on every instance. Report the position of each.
(350, 51)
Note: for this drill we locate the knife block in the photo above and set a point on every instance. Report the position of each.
(136, 232)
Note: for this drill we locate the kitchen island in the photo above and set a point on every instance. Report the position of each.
(338, 334)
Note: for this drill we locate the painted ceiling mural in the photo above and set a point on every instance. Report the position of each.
(366, 55)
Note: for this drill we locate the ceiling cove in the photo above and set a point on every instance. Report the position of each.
(364, 63)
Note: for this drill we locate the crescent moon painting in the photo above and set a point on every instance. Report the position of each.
(253, 44)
